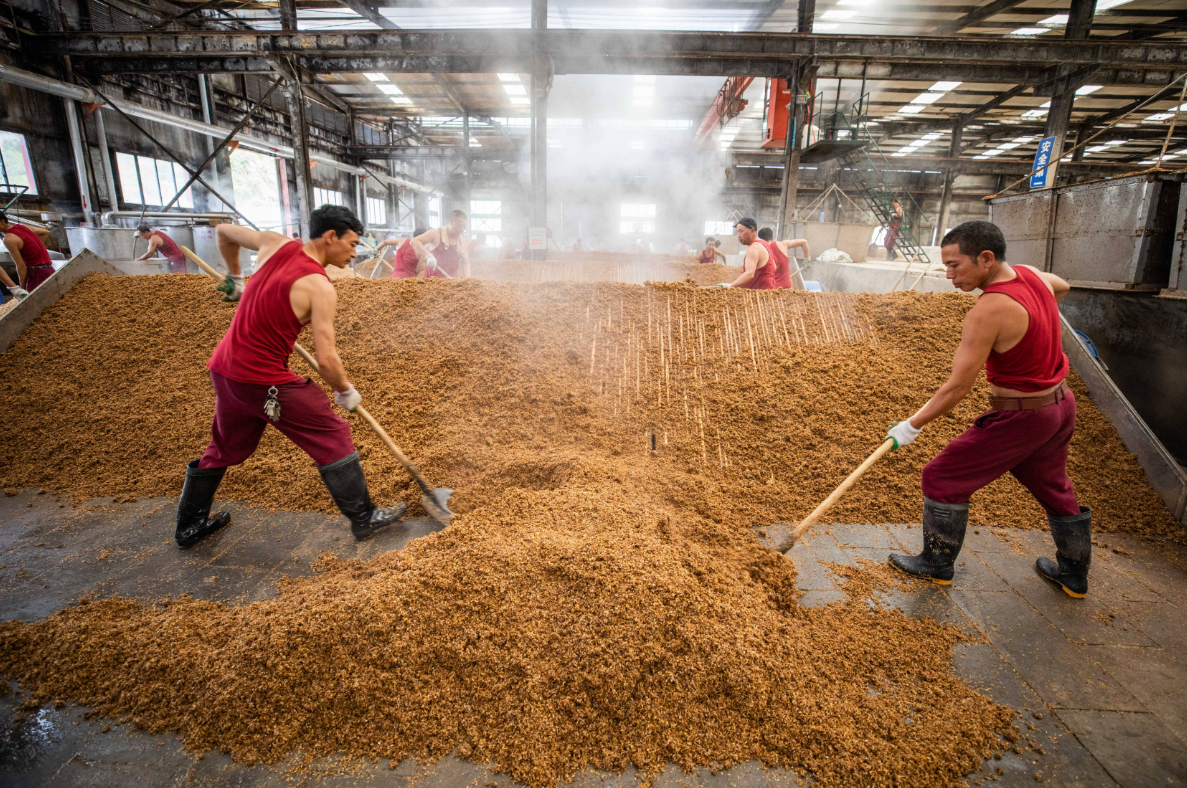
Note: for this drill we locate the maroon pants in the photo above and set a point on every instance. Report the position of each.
(305, 419)
(36, 274)
(1030, 444)
(177, 265)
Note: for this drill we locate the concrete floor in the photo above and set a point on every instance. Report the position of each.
(1103, 681)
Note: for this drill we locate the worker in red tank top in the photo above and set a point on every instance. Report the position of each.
(404, 265)
(28, 253)
(782, 252)
(710, 253)
(1014, 331)
(758, 266)
(254, 387)
(158, 241)
(448, 257)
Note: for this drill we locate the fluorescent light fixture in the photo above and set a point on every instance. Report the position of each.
(994, 152)
(911, 109)
(477, 144)
(1058, 19)
(944, 87)
(390, 90)
(1028, 31)
(1045, 106)
(377, 77)
(509, 77)
(926, 98)
(1084, 90)
(520, 101)
(838, 15)
(935, 135)
(905, 149)
(825, 27)
(1009, 145)
(515, 90)
(1105, 5)
(1160, 116)
(1116, 142)
(981, 156)
(401, 100)
(1148, 161)
(1096, 148)
(1023, 140)
(898, 154)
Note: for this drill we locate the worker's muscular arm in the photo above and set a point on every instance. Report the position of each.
(154, 243)
(977, 336)
(749, 267)
(315, 297)
(420, 246)
(720, 254)
(795, 243)
(14, 246)
(1057, 285)
(233, 237)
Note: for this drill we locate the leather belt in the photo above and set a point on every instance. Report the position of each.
(1029, 403)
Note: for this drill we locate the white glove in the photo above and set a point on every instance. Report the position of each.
(18, 292)
(902, 433)
(349, 399)
(431, 261)
(725, 284)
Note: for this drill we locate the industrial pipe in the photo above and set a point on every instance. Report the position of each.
(55, 87)
(110, 215)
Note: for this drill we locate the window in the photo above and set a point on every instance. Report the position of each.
(256, 179)
(148, 181)
(376, 211)
(637, 218)
(486, 216)
(14, 156)
(434, 212)
(719, 228)
(325, 197)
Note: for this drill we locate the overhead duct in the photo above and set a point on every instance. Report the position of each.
(55, 87)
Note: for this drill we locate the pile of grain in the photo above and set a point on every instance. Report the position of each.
(758, 404)
(600, 599)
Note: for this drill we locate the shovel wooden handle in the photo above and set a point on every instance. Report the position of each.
(828, 502)
(312, 362)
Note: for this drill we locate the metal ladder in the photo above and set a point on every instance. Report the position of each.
(879, 193)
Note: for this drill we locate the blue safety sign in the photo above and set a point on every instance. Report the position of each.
(1042, 157)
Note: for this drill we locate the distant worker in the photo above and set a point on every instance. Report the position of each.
(1014, 332)
(405, 264)
(575, 246)
(783, 258)
(894, 228)
(159, 242)
(254, 387)
(449, 257)
(507, 249)
(758, 266)
(29, 255)
(476, 246)
(710, 253)
(682, 249)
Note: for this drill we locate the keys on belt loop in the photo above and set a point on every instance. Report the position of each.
(272, 405)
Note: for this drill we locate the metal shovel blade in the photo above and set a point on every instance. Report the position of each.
(436, 503)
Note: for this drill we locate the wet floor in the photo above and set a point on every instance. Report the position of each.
(1100, 684)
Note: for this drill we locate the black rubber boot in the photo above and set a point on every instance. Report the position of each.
(348, 487)
(1073, 553)
(194, 522)
(943, 535)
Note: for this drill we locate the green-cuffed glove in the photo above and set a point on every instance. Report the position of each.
(902, 433)
(232, 286)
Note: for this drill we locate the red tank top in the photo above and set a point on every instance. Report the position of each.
(33, 252)
(708, 256)
(764, 278)
(257, 345)
(168, 248)
(448, 258)
(782, 265)
(405, 265)
(1037, 362)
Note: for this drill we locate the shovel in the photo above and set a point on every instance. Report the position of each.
(828, 502)
(434, 500)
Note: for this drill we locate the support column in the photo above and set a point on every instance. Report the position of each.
(105, 155)
(288, 14)
(1060, 114)
(539, 90)
(296, 107)
(949, 178)
(469, 161)
(792, 148)
(80, 160)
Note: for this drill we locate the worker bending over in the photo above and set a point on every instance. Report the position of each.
(158, 241)
(1014, 332)
(758, 266)
(254, 387)
(447, 257)
(710, 253)
(28, 253)
(404, 266)
(783, 258)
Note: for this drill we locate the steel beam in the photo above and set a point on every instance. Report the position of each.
(579, 51)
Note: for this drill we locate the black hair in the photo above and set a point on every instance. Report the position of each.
(3, 217)
(767, 234)
(710, 240)
(458, 214)
(333, 217)
(418, 232)
(144, 228)
(716, 244)
(746, 221)
(976, 237)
